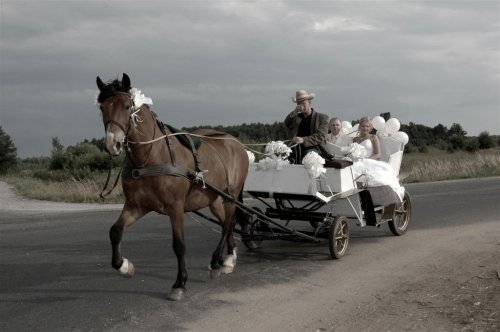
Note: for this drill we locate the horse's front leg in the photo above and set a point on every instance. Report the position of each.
(178, 290)
(126, 219)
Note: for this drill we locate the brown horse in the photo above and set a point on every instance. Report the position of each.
(162, 175)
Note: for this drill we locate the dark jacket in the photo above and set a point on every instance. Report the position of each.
(319, 129)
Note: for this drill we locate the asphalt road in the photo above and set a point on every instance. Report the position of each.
(55, 272)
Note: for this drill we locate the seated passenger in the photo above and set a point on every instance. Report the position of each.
(337, 137)
(368, 140)
(373, 171)
(307, 128)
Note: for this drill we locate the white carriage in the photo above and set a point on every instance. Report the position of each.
(326, 202)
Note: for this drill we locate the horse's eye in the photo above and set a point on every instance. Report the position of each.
(127, 107)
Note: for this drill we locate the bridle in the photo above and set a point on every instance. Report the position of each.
(132, 119)
(125, 130)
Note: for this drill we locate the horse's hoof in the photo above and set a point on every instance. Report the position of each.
(229, 263)
(127, 269)
(176, 294)
(226, 269)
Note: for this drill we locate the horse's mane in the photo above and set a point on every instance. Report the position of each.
(111, 89)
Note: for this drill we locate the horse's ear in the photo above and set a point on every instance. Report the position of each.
(126, 82)
(100, 83)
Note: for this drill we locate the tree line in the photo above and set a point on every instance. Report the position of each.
(88, 156)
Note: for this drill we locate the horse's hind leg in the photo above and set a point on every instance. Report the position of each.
(179, 288)
(231, 215)
(126, 219)
(225, 213)
(230, 260)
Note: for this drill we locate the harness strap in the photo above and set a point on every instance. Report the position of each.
(162, 169)
(187, 137)
(171, 150)
(170, 169)
(195, 154)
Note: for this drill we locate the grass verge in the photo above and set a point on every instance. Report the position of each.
(435, 165)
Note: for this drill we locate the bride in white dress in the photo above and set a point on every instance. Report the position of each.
(370, 169)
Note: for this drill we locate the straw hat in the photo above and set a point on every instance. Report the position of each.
(302, 95)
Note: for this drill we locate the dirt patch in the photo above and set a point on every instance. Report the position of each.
(428, 280)
(445, 297)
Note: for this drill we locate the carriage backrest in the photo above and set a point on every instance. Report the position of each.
(391, 151)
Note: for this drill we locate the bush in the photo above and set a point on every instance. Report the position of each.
(81, 159)
(441, 144)
(472, 145)
(456, 142)
(485, 140)
(8, 152)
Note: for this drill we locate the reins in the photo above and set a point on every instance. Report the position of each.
(103, 194)
(209, 137)
(196, 176)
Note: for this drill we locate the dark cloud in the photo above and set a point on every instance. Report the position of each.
(228, 62)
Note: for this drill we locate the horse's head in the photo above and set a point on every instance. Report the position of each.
(116, 107)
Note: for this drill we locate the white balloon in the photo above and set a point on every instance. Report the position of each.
(353, 132)
(402, 137)
(378, 122)
(346, 125)
(392, 126)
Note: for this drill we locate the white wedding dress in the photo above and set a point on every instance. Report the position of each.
(375, 172)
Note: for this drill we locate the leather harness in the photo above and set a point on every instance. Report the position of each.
(196, 176)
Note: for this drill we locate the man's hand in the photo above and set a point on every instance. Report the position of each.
(298, 140)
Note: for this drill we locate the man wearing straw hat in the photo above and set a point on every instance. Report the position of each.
(306, 127)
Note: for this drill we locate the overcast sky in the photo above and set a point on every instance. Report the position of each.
(234, 62)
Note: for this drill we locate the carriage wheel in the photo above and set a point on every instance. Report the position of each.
(339, 237)
(249, 228)
(399, 224)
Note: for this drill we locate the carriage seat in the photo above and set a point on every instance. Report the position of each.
(337, 163)
(391, 151)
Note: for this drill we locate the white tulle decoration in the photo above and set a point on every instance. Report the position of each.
(353, 132)
(272, 163)
(363, 173)
(251, 157)
(354, 151)
(313, 162)
(276, 156)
